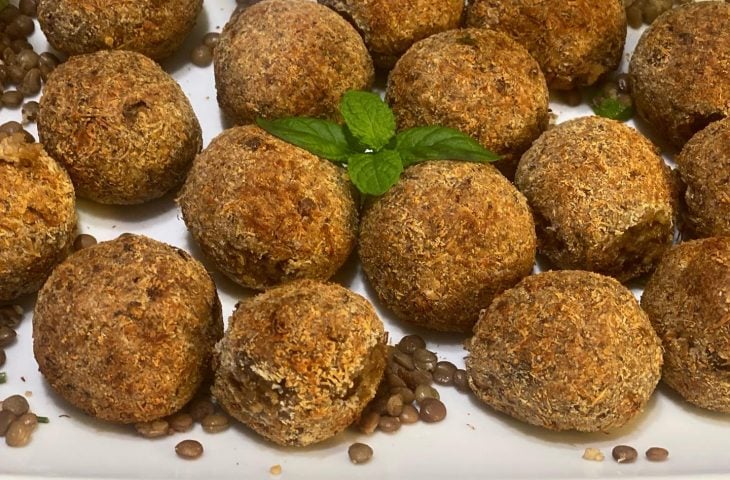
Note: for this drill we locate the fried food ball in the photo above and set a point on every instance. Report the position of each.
(267, 212)
(282, 58)
(565, 350)
(300, 362)
(390, 28)
(478, 81)
(704, 167)
(444, 241)
(602, 197)
(688, 302)
(574, 41)
(680, 68)
(125, 330)
(121, 126)
(155, 28)
(37, 216)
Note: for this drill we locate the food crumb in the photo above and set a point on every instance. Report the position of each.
(471, 426)
(275, 470)
(28, 394)
(593, 454)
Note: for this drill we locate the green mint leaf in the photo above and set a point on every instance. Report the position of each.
(368, 117)
(612, 108)
(320, 137)
(375, 173)
(43, 420)
(420, 144)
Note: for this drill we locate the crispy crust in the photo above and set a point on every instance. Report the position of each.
(565, 350)
(281, 58)
(390, 28)
(155, 28)
(37, 216)
(300, 362)
(704, 167)
(688, 302)
(125, 330)
(478, 81)
(601, 195)
(680, 68)
(121, 126)
(574, 41)
(268, 212)
(444, 241)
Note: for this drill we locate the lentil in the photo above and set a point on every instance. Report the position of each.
(211, 40)
(368, 422)
(443, 373)
(30, 111)
(405, 393)
(202, 56)
(201, 408)
(83, 241)
(624, 454)
(360, 453)
(31, 82)
(11, 315)
(11, 98)
(2, 357)
(657, 454)
(408, 415)
(389, 424)
(404, 360)
(410, 343)
(28, 7)
(6, 418)
(16, 404)
(432, 410)
(425, 391)
(181, 422)
(19, 433)
(153, 429)
(461, 380)
(7, 336)
(394, 406)
(189, 449)
(215, 422)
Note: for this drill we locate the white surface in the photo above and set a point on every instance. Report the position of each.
(473, 441)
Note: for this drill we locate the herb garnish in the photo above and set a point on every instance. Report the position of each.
(368, 145)
(612, 107)
(3, 377)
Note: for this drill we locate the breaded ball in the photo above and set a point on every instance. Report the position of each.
(680, 68)
(688, 302)
(37, 216)
(121, 126)
(155, 28)
(602, 197)
(267, 212)
(565, 350)
(704, 167)
(444, 241)
(125, 330)
(390, 28)
(574, 41)
(283, 58)
(478, 81)
(300, 362)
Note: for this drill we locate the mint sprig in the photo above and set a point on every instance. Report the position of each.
(368, 145)
(612, 108)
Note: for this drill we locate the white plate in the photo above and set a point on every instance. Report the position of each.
(473, 441)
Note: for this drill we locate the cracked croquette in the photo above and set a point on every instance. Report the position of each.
(602, 197)
(444, 241)
(565, 350)
(477, 81)
(122, 127)
(390, 28)
(125, 330)
(688, 302)
(37, 216)
(268, 212)
(300, 362)
(574, 41)
(680, 68)
(282, 58)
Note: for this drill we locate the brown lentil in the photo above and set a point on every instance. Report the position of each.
(408, 415)
(6, 418)
(394, 381)
(389, 424)
(2, 357)
(215, 422)
(11, 315)
(405, 393)
(657, 454)
(181, 422)
(404, 360)
(153, 429)
(461, 380)
(410, 343)
(624, 454)
(9, 13)
(201, 408)
(12, 98)
(7, 336)
(16, 73)
(432, 410)
(211, 39)
(47, 62)
(27, 59)
(31, 82)
(394, 406)
(424, 392)
(368, 422)
(19, 433)
(360, 453)
(30, 111)
(11, 127)
(189, 449)
(415, 378)
(28, 419)
(83, 241)
(443, 373)
(16, 404)
(202, 56)
(28, 7)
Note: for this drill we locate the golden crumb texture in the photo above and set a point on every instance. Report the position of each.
(125, 330)
(444, 241)
(688, 302)
(565, 350)
(37, 216)
(300, 362)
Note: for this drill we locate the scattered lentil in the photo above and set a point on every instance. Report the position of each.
(408, 415)
(432, 410)
(360, 453)
(83, 241)
(11, 98)
(181, 422)
(153, 429)
(16, 404)
(389, 424)
(425, 391)
(28, 7)
(657, 454)
(19, 433)
(394, 407)
(30, 112)
(201, 408)
(410, 343)
(215, 422)
(202, 56)
(368, 422)
(211, 40)
(404, 360)
(624, 454)
(6, 418)
(189, 449)
(406, 394)
(443, 373)
(7, 336)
